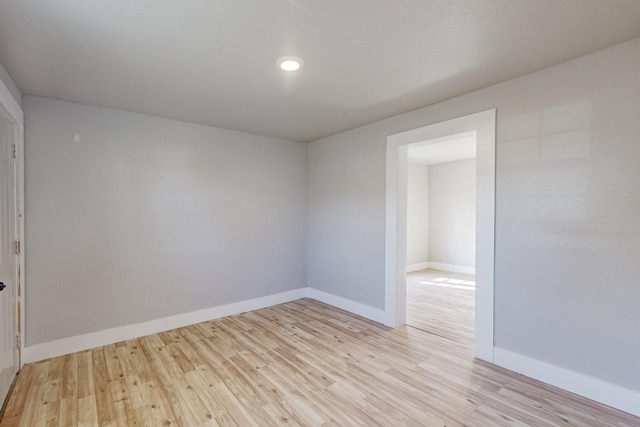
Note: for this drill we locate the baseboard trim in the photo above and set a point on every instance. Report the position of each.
(452, 268)
(351, 306)
(83, 342)
(417, 267)
(601, 391)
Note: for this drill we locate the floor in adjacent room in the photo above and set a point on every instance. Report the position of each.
(442, 303)
(300, 363)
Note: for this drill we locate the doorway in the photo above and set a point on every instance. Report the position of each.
(483, 124)
(10, 230)
(441, 215)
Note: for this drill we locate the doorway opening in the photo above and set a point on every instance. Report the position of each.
(483, 124)
(441, 215)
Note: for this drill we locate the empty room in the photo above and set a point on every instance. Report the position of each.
(319, 213)
(441, 211)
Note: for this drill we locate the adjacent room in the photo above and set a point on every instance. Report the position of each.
(441, 231)
(291, 212)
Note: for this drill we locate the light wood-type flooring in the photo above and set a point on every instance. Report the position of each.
(443, 304)
(300, 363)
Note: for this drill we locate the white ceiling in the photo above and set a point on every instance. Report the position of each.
(213, 61)
(446, 149)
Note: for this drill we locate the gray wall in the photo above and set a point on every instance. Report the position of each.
(452, 213)
(145, 217)
(567, 231)
(417, 213)
(10, 84)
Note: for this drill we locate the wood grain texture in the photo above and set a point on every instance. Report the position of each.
(301, 363)
(442, 303)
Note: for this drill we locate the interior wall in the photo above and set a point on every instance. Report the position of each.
(131, 218)
(452, 213)
(567, 203)
(10, 85)
(345, 207)
(417, 213)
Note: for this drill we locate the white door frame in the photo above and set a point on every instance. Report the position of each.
(15, 114)
(484, 124)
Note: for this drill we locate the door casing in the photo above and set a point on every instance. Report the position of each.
(484, 124)
(13, 111)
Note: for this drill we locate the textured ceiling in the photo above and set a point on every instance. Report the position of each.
(213, 61)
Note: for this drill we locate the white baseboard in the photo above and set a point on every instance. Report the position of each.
(83, 342)
(73, 344)
(593, 388)
(452, 268)
(354, 307)
(417, 267)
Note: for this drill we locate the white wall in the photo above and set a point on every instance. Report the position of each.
(452, 213)
(145, 217)
(10, 84)
(567, 229)
(417, 214)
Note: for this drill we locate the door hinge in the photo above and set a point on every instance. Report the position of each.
(16, 247)
(13, 151)
(18, 341)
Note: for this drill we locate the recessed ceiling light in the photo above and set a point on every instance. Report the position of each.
(290, 63)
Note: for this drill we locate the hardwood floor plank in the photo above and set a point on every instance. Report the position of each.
(15, 405)
(122, 410)
(158, 409)
(35, 402)
(165, 392)
(112, 363)
(85, 374)
(195, 412)
(226, 420)
(70, 377)
(104, 405)
(197, 381)
(234, 407)
(69, 411)
(87, 411)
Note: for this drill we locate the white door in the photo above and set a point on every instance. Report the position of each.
(8, 259)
